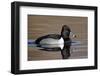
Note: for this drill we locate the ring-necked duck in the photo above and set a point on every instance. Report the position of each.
(57, 39)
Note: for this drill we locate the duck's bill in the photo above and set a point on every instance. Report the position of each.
(72, 35)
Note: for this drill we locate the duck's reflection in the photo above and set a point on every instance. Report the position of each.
(65, 52)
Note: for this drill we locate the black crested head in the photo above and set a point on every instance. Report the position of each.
(65, 32)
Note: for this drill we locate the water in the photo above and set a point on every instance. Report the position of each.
(67, 50)
(39, 25)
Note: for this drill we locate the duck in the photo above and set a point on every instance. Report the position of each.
(55, 39)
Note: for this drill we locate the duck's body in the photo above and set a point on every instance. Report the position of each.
(50, 39)
(57, 39)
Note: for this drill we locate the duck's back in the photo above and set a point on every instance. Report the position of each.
(48, 39)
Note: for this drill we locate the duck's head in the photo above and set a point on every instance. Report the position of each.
(65, 32)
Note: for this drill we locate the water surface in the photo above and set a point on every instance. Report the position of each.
(39, 25)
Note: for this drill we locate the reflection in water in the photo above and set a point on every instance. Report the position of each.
(64, 48)
(65, 52)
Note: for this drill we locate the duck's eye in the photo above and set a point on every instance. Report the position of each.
(65, 33)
